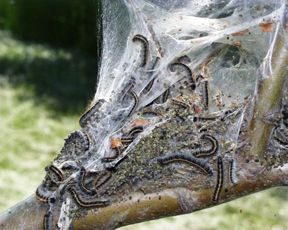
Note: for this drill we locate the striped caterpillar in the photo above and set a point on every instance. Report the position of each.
(210, 151)
(42, 195)
(187, 70)
(92, 110)
(82, 177)
(220, 178)
(136, 102)
(231, 170)
(165, 95)
(187, 159)
(126, 140)
(135, 131)
(101, 179)
(145, 48)
(47, 221)
(205, 95)
(87, 202)
(76, 143)
(180, 103)
(56, 172)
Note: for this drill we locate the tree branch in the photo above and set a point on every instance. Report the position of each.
(269, 93)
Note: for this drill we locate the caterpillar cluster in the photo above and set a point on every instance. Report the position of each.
(84, 188)
(84, 191)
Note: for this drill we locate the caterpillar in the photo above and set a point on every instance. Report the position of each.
(220, 178)
(199, 78)
(165, 95)
(113, 167)
(77, 142)
(205, 95)
(127, 88)
(126, 140)
(136, 102)
(180, 103)
(231, 170)
(162, 98)
(107, 159)
(210, 151)
(188, 72)
(57, 172)
(149, 86)
(47, 220)
(82, 184)
(87, 202)
(41, 195)
(135, 131)
(92, 110)
(184, 59)
(66, 187)
(183, 158)
(204, 118)
(145, 44)
(280, 136)
(69, 165)
(101, 180)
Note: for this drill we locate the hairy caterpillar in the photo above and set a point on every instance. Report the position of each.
(220, 178)
(210, 151)
(92, 110)
(145, 44)
(87, 202)
(183, 158)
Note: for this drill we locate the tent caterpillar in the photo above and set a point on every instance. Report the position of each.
(82, 177)
(220, 178)
(188, 160)
(134, 131)
(87, 202)
(210, 151)
(57, 172)
(205, 95)
(165, 95)
(187, 70)
(136, 102)
(231, 169)
(101, 180)
(92, 110)
(47, 221)
(145, 44)
(41, 195)
(180, 103)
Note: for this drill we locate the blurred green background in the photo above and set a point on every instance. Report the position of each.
(48, 70)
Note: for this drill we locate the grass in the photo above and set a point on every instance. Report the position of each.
(42, 92)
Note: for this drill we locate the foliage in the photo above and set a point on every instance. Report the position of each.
(65, 23)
